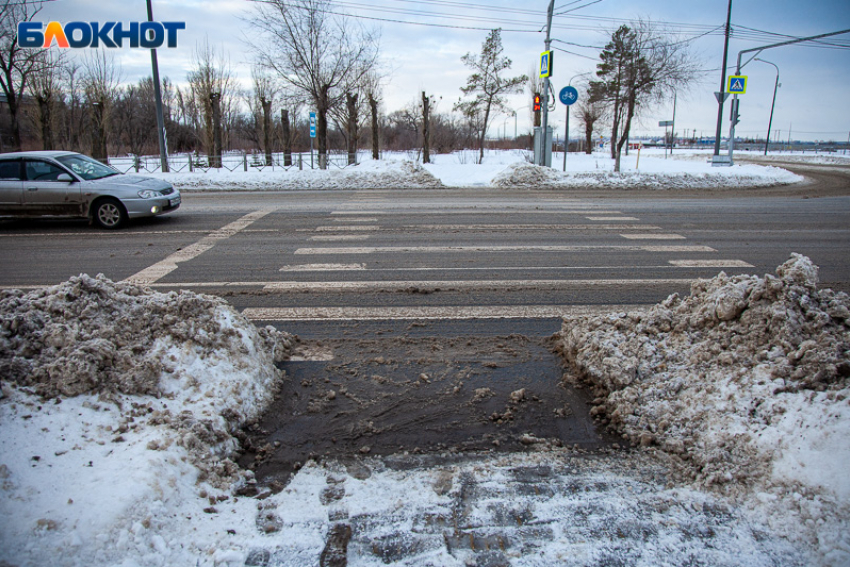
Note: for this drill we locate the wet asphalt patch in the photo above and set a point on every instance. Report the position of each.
(403, 395)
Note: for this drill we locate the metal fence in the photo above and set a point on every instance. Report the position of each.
(230, 161)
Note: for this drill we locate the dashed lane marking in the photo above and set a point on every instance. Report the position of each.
(324, 268)
(613, 219)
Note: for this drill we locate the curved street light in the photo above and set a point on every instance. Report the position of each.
(775, 86)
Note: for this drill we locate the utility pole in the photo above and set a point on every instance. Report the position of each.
(545, 99)
(160, 121)
(721, 95)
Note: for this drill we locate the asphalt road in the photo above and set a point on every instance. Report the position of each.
(468, 255)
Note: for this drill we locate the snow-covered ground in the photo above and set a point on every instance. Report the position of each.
(120, 408)
(502, 169)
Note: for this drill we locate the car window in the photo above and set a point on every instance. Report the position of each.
(10, 170)
(42, 171)
(86, 167)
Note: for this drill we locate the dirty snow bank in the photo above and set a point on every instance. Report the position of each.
(678, 175)
(117, 401)
(745, 384)
(367, 175)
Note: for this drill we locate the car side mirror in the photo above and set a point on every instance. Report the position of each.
(64, 177)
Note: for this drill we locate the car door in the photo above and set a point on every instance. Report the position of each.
(44, 192)
(11, 186)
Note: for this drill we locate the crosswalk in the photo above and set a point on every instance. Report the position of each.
(372, 246)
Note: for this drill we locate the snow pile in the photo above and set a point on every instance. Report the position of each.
(367, 175)
(745, 384)
(681, 177)
(117, 401)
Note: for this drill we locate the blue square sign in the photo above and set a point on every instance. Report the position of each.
(737, 84)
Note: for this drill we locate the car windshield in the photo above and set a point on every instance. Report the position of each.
(86, 167)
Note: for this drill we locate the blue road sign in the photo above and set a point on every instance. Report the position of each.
(312, 124)
(737, 84)
(546, 64)
(568, 95)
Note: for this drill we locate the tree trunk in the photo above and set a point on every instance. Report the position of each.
(630, 112)
(484, 134)
(215, 158)
(12, 101)
(588, 138)
(322, 126)
(99, 131)
(287, 137)
(351, 107)
(373, 105)
(426, 134)
(44, 106)
(267, 129)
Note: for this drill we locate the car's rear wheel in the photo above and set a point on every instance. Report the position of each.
(109, 214)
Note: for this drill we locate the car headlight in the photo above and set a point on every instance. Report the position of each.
(150, 194)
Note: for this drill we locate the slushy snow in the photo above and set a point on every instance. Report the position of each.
(745, 385)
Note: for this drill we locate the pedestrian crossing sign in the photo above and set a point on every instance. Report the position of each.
(737, 84)
(545, 64)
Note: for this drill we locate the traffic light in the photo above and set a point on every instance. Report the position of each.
(536, 102)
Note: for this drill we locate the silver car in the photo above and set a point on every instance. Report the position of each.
(68, 184)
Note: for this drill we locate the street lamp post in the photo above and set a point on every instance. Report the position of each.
(772, 104)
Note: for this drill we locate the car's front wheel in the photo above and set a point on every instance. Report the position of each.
(109, 213)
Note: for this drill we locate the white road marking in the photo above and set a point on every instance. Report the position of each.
(479, 211)
(552, 227)
(433, 312)
(340, 238)
(517, 248)
(366, 219)
(621, 219)
(344, 228)
(446, 285)
(649, 236)
(324, 268)
(710, 264)
(164, 267)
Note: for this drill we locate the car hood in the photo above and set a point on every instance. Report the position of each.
(132, 182)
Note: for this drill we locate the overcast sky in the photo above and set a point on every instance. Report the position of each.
(422, 43)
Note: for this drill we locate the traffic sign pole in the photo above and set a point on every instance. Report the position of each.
(568, 96)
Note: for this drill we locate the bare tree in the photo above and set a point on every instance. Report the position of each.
(487, 84)
(17, 65)
(211, 86)
(264, 89)
(372, 88)
(101, 83)
(589, 112)
(46, 89)
(315, 51)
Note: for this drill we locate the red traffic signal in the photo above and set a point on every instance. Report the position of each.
(536, 103)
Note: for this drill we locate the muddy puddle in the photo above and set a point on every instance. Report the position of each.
(354, 399)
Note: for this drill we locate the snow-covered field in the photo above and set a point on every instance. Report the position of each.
(121, 406)
(502, 169)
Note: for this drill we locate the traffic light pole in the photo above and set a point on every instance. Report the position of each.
(544, 123)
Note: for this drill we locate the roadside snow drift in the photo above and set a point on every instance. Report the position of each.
(746, 385)
(367, 175)
(116, 401)
(677, 175)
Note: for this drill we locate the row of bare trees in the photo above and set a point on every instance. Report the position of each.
(307, 56)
